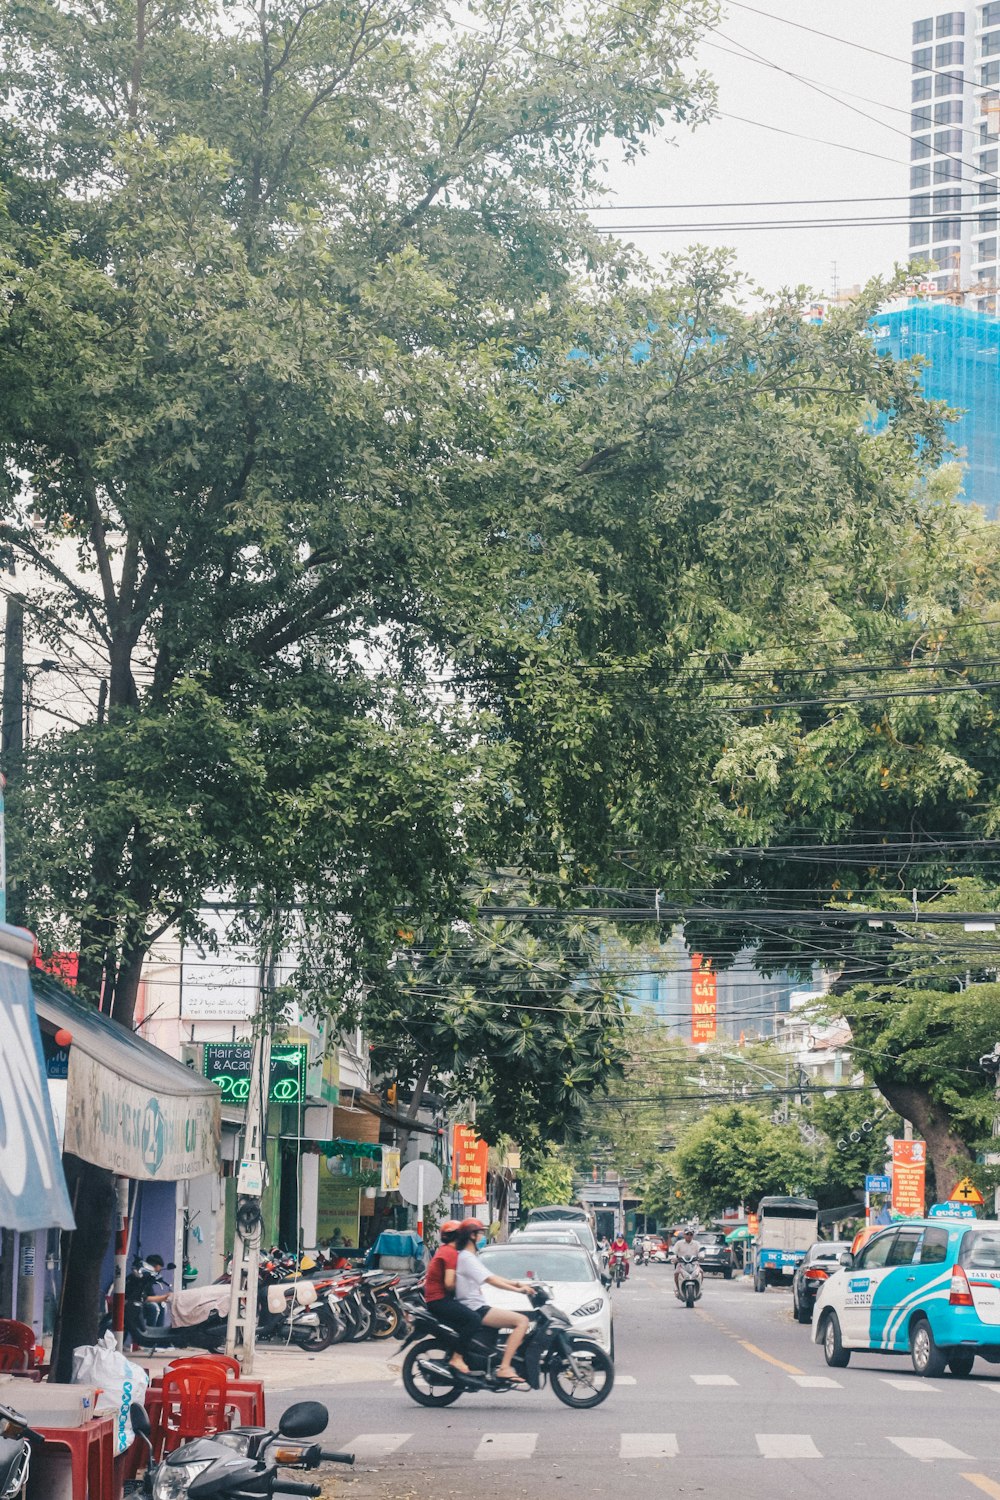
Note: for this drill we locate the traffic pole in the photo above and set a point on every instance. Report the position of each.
(121, 1262)
(420, 1200)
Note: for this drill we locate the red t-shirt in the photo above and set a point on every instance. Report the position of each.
(445, 1258)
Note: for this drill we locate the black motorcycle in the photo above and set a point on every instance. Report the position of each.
(16, 1438)
(580, 1372)
(140, 1284)
(241, 1464)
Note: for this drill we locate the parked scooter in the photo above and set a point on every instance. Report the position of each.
(580, 1373)
(240, 1463)
(689, 1278)
(140, 1284)
(16, 1438)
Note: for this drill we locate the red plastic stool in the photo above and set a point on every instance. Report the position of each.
(91, 1455)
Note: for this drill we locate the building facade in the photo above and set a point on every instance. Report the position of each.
(954, 143)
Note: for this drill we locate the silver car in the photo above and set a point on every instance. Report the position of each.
(570, 1275)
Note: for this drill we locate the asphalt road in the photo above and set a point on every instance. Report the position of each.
(731, 1398)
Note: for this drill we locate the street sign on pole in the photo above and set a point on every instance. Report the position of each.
(878, 1184)
(420, 1182)
(967, 1192)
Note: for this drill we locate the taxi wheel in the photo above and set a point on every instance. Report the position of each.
(961, 1364)
(926, 1357)
(833, 1349)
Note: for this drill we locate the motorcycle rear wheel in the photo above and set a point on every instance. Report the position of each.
(417, 1385)
(598, 1381)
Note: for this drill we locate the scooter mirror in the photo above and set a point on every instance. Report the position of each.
(304, 1419)
(139, 1417)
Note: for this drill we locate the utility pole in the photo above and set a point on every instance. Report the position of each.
(990, 1063)
(11, 720)
(241, 1332)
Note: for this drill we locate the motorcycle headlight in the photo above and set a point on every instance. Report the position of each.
(173, 1481)
(589, 1309)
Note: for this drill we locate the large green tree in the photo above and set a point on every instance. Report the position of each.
(513, 1014)
(736, 1154)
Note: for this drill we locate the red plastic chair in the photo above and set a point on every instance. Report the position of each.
(194, 1406)
(12, 1358)
(21, 1336)
(200, 1363)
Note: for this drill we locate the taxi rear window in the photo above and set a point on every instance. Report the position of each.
(981, 1250)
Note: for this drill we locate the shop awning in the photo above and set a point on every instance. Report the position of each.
(32, 1186)
(129, 1106)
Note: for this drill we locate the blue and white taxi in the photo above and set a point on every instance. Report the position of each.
(929, 1288)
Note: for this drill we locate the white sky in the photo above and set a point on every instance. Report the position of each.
(727, 161)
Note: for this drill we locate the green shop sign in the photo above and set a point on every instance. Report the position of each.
(227, 1064)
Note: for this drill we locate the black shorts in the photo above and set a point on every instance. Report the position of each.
(455, 1314)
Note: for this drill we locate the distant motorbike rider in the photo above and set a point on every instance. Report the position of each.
(439, 1293)
(472, 1275)
(686, 1248)
(619, 1251)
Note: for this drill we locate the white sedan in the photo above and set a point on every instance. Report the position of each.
(569, 1275)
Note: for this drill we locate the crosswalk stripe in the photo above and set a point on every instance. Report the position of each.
(648, 1445)
(377, 1444)
(786, 1445)
(506, 1445)
(714, 1380)
(817, 1382)
(913, 1384)
(927, 1448)
(625, 1380)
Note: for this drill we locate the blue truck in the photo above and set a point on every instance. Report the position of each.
(786, 1229)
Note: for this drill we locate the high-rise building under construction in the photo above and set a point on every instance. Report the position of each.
(954, 143)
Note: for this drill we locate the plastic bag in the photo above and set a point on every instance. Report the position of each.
(118, 1381)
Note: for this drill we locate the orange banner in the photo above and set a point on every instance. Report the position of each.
(469, 1156)
(702, 999)
(909, 1169)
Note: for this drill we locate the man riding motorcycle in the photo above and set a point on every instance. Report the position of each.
(619, 1251)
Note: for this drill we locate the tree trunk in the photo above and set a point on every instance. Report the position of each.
(948, 1156)
(92, 1189)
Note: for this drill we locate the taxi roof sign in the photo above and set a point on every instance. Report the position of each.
(951, 1211)
(967, 1192)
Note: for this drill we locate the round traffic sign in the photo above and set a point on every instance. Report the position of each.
(410, 1185)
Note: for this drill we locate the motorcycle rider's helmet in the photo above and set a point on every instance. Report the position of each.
(449, 1229)
(472, 1226)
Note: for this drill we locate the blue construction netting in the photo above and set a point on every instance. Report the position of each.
(962, 350)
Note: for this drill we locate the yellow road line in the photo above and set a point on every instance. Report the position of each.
(988, 1486)
(788, 1369)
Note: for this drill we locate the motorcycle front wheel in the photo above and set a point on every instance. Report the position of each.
(315, 1340)
(689, 1295)
(387, 1320)
(364, 1325)
(418, 1386)
(594, 1382)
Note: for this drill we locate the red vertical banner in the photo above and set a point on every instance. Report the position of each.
(909, 1171)
(470, 1158)
(702, 999)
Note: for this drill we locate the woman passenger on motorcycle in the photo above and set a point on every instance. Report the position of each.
(472, 1275)
(439, 1293)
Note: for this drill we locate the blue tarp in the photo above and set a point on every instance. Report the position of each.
(32, 1185)
(396, 1242)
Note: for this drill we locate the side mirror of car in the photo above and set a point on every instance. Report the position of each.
(605, 1278)
(846, 1259)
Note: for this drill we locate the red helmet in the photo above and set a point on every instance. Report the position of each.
(472, 1226)
(449, 1229)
